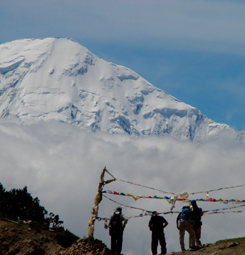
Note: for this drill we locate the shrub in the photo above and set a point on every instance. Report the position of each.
(66, 238)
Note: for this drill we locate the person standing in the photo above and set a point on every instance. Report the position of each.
(157, 224)
(117, 224)
(183, 222)
(197, 223)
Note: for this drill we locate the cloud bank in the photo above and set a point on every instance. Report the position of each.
(61, 165)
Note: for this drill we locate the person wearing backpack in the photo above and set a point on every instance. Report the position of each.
(157, 224)
(184, 223)
(117, 224)
(197, 215)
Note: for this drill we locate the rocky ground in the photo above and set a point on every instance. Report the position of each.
(225, 247)
(19, 239)
(27, 239)
(22, 240)
(84, 247)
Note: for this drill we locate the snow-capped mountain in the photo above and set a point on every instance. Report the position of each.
(58, 79)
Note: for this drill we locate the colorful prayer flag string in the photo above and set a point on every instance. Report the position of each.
(170, 199)
(144, 211)
(144, 186)
(231, 187)
(132, 207)
(191, 193)
(148, 212)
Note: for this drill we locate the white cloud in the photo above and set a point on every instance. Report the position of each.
(61, 165)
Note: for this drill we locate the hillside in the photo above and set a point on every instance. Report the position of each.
(234, 246)
(18, 239)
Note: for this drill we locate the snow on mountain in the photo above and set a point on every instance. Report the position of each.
(58, 79)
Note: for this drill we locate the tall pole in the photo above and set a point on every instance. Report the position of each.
(97, 200)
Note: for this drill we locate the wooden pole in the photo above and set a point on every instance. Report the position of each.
(97, 200)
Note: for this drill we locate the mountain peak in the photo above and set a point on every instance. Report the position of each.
(59, 79)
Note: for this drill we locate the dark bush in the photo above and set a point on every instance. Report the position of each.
(66, 238)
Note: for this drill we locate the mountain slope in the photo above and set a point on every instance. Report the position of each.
(225, 247)
(20, 239)
(58, 79)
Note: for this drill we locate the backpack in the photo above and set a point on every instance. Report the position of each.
(197, 215)
(185, 217)
(115, 224)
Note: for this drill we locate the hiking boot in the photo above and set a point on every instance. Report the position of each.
(198, 242)
(194, 248)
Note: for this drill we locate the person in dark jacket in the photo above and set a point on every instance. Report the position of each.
(157, 224)
(197, 223)
(117, 224)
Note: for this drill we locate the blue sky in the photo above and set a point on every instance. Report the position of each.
(193, 49)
